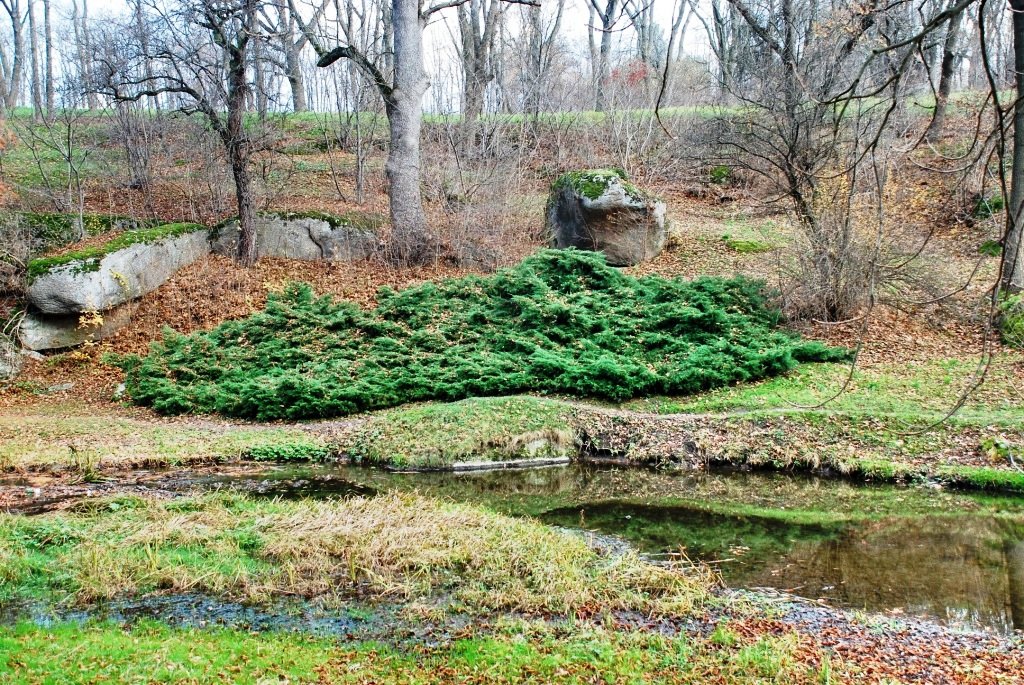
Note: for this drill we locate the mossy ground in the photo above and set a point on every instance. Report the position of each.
(484, 429)
(521, 653)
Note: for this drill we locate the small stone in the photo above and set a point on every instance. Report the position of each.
(60, 387)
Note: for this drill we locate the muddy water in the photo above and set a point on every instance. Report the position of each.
(949, 557)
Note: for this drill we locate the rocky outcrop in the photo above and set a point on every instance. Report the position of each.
(601, 210)
(10, 359)
(101, 278)
(303, 236)
(39, 332)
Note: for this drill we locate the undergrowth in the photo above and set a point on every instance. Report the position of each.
(559, 322)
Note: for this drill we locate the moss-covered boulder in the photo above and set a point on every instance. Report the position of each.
(600, 210)
(305, 235)
(100, 277)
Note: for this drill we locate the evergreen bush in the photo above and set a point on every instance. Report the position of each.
(562, 321)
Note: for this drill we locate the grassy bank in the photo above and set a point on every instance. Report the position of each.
(476, 430)
(391, 546)
(83, 440)
(517, 653)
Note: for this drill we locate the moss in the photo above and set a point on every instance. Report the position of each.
(52, 230)
(89, 257)
(592, 183)
(362, 221)
(746, 246)
(1011, 321)
(359, 220)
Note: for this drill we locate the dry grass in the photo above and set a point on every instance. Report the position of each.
(65, 436)
(391, 546)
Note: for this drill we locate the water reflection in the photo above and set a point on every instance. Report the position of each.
(951, 557)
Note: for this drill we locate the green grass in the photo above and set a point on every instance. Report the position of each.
(387, 547)
(68, 436)
(562, 321)
(521, 653)
(916, 393)
(485, 429)
(88, 258)
(744, 246)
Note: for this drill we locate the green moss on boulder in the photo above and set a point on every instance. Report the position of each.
(592, 183)
(88, 258)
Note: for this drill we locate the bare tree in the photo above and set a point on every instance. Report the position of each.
(12, 63)
(609, 13)
(48, 52)
(198, 52)
(540, 40)
(479, 25)
(1013, 243)
(946, 69)
(412, 240)
(37, 87)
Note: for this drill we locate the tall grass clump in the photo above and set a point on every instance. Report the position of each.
(559, 322)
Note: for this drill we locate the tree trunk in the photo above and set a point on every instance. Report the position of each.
(412, 241)
(33, 41)
(1015, 573)
(85, 50)
(1013, 268)
(945, 78)
(237, 144)
(604, 56)
(297, 84)
(18, 63)
(48, 49)
(239, 156)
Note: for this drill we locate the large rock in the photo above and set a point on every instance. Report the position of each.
(307, 237)
(601, 210)
(48, 332)
(100, 278)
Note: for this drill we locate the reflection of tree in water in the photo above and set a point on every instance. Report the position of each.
(1015, 576)
(950, 568)
(967, 567)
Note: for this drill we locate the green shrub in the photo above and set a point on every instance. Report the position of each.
(1011, 321)
(562, 321)
(290, 451)
(720, 174)
(987, 207)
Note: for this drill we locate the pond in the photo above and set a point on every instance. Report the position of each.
(915, 551)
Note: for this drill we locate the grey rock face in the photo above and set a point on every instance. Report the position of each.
(54, 332)
(121, 277)
(626, 228)
(11, 360)
(302, 238)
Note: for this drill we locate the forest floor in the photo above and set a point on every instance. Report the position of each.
(68, 439)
